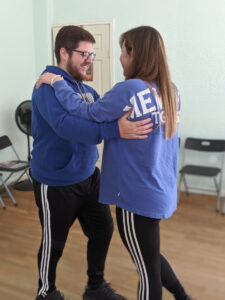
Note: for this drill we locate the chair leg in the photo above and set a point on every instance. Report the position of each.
(223, 210)
(186, 186)
(8, 191)
(2, 203)
(218, 203)
(28, 176)
(17, 180)
(216, 185)
(218, 188)
(178, 190)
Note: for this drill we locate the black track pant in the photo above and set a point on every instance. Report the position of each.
(141, 237)
(58, 209)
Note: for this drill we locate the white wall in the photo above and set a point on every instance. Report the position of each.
(42, 20)
(17, 72)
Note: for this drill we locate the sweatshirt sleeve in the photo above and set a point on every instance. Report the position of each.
(106, 109)
(69, 126)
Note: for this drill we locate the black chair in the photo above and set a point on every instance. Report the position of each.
(11, 167)
(214, 172)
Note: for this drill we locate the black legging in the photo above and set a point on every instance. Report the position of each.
(141, 237)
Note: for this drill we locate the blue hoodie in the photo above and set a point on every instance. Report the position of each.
(64, 147)
(137, 175)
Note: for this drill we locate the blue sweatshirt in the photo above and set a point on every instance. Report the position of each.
(137, 175)
(64, 147)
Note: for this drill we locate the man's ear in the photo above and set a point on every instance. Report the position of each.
(63, 54)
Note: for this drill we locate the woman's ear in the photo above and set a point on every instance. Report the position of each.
(131, 54)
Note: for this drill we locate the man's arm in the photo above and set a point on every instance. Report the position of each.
(68, 126)
(134, 130)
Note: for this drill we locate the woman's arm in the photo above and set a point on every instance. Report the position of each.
(128, 129)
(107, 109)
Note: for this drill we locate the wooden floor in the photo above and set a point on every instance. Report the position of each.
(193, 240)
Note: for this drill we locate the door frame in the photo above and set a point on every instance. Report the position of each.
(111, 23)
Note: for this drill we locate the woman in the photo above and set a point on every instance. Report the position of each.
(138, 176)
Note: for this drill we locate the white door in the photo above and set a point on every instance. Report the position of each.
(100, 77)
(101, 66)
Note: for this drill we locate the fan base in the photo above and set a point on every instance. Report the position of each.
(25, 185)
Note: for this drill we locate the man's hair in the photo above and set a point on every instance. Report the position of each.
(149, 63)
(69, 37)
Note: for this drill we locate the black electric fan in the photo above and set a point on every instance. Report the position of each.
(23, 121)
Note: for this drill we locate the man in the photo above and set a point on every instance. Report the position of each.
(66, 181)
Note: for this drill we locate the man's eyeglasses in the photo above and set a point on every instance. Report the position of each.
(86, 54)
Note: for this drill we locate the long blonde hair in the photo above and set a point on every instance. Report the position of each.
(150, 64)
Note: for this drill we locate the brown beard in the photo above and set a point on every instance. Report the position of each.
(74, 73)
